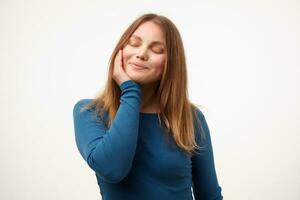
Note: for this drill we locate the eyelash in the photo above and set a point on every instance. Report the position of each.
(132, 43)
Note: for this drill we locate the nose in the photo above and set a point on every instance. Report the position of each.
(142, 54)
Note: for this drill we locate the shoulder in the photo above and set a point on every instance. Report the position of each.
(80, 106)
(198, 113)
(201, 129)
(86, 111)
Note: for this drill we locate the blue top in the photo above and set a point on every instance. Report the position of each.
(135, 160)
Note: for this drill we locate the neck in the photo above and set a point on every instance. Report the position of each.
(149, 99)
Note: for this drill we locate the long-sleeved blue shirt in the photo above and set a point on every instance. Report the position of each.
(135, 160)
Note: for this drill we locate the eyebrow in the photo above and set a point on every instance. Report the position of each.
(155, 42)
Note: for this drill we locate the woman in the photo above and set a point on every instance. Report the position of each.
(142, 136)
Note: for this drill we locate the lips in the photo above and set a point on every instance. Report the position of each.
(138, 65)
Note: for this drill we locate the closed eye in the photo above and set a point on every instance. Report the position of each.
(155, 47)
(158, 49)
(133, 43)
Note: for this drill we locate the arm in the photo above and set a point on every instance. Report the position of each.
(205, 183)
(110, 152)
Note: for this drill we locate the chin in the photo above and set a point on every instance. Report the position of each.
(136, 76)
(140, 77)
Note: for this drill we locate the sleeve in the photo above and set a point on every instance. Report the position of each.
(110, 152)
(205, 183)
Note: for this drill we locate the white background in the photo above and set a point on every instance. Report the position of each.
(243, 66)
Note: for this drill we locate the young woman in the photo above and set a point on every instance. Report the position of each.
(142, 136)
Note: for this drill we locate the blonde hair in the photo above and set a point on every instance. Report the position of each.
(176, 111)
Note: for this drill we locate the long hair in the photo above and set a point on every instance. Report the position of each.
(176, 111)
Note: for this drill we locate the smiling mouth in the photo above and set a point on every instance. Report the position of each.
(137, 67)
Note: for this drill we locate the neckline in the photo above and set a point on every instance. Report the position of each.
(142, 113)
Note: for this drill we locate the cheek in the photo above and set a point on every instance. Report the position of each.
(159, 62)
(126, 55)
(158, 65)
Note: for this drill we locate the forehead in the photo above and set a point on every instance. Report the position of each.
(149, 31)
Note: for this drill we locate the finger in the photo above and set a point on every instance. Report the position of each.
(116, 60)
(119, 59)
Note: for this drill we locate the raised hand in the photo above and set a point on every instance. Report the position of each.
(119, 74)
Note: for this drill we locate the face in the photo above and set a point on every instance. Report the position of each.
(145, 53)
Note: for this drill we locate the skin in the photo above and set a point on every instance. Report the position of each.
(146, 46)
